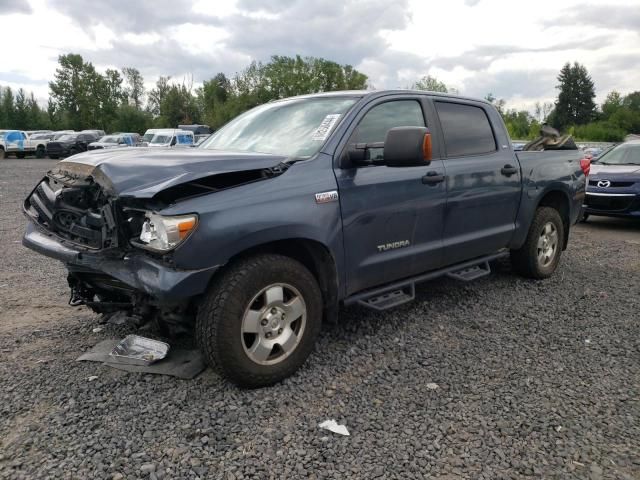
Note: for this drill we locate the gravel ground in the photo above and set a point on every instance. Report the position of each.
(534, 379)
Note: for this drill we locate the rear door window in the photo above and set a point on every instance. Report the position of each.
(466, 129)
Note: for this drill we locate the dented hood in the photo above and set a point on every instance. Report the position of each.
(142, 172)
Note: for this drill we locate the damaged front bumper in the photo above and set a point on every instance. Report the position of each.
(136, 271)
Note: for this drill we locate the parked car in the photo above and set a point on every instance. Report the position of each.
(97, 133)
(69, 144)
(113, 141)
(172, 137)
(614, 183)
(197, 129)
(30, 133)
(148, 135)
(299, 206)
(19, 143)
(60, 133)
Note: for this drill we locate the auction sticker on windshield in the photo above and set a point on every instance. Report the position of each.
(322, 132)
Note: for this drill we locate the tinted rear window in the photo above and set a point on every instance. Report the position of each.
(466, 129)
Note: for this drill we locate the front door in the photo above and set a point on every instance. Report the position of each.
(392, 218)
(483, 183)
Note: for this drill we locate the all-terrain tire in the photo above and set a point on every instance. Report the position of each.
(527, 260)
(219, 322)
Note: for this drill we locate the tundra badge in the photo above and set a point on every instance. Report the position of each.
(393, 245)
(326, 197)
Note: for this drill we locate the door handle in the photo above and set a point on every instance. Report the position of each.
(432, 178)
(508, 170)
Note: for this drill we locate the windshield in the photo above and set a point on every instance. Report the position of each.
(110, 139)
(294, 128)
(624, 154)
(147, 137)
(161, 139)
(67, 138)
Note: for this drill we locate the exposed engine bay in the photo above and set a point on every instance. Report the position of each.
(85, 212)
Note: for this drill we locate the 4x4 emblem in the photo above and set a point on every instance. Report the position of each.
(604, 184)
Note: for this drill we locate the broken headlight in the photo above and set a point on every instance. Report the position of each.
(166, 233)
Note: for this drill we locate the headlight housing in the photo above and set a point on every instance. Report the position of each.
(163, 233)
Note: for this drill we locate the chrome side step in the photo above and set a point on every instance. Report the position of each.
(403, 291)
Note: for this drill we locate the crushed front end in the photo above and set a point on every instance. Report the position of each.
(79, 220)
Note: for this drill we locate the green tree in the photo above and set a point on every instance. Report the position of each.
(76, 91)
(498, 103)
(158, 94)
(134, 89)
(431, 84)
(612, 104)
(8, 108)
(131, 119)
(575, 104)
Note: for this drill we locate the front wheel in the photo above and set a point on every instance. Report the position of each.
(539, 256)
(3, 153)
(259, 320)
(40, 152)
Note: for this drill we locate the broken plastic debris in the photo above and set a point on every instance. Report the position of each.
(558, 428)
(432, 386)
(334, 427)
(97, 329)
(587, 341)
(92, 378)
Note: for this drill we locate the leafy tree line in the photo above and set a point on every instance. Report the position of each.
(116, 100)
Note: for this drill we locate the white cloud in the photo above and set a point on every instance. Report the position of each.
(476, 46)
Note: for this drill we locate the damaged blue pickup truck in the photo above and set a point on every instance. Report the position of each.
(300, 206)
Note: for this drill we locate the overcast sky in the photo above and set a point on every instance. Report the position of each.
(513, 49)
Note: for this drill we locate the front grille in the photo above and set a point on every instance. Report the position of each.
(79, 214)
(609, 203)
(614, 184)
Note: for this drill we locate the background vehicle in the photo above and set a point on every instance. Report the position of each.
(166, 138)
(113, 141)
(148, 135)
(614, 183)
(199, 131)
(19, 143)
(97, 133)
(298, 206)
(70, 144)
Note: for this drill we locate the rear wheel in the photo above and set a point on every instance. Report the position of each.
(40, 151)
(540, 254)
(3, 153)
(259, 320)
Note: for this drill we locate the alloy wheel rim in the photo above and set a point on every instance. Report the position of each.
(273, 324)
(547, 244)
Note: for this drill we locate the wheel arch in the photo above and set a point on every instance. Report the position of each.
(314, 255)
(558, 199)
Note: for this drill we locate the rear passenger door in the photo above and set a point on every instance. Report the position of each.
(483, 180)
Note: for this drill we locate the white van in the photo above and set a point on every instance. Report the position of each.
(148, 135)
(172, 137)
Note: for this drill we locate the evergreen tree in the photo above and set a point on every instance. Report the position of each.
(575, 104)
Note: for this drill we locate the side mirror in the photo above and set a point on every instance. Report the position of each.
(408, 147)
